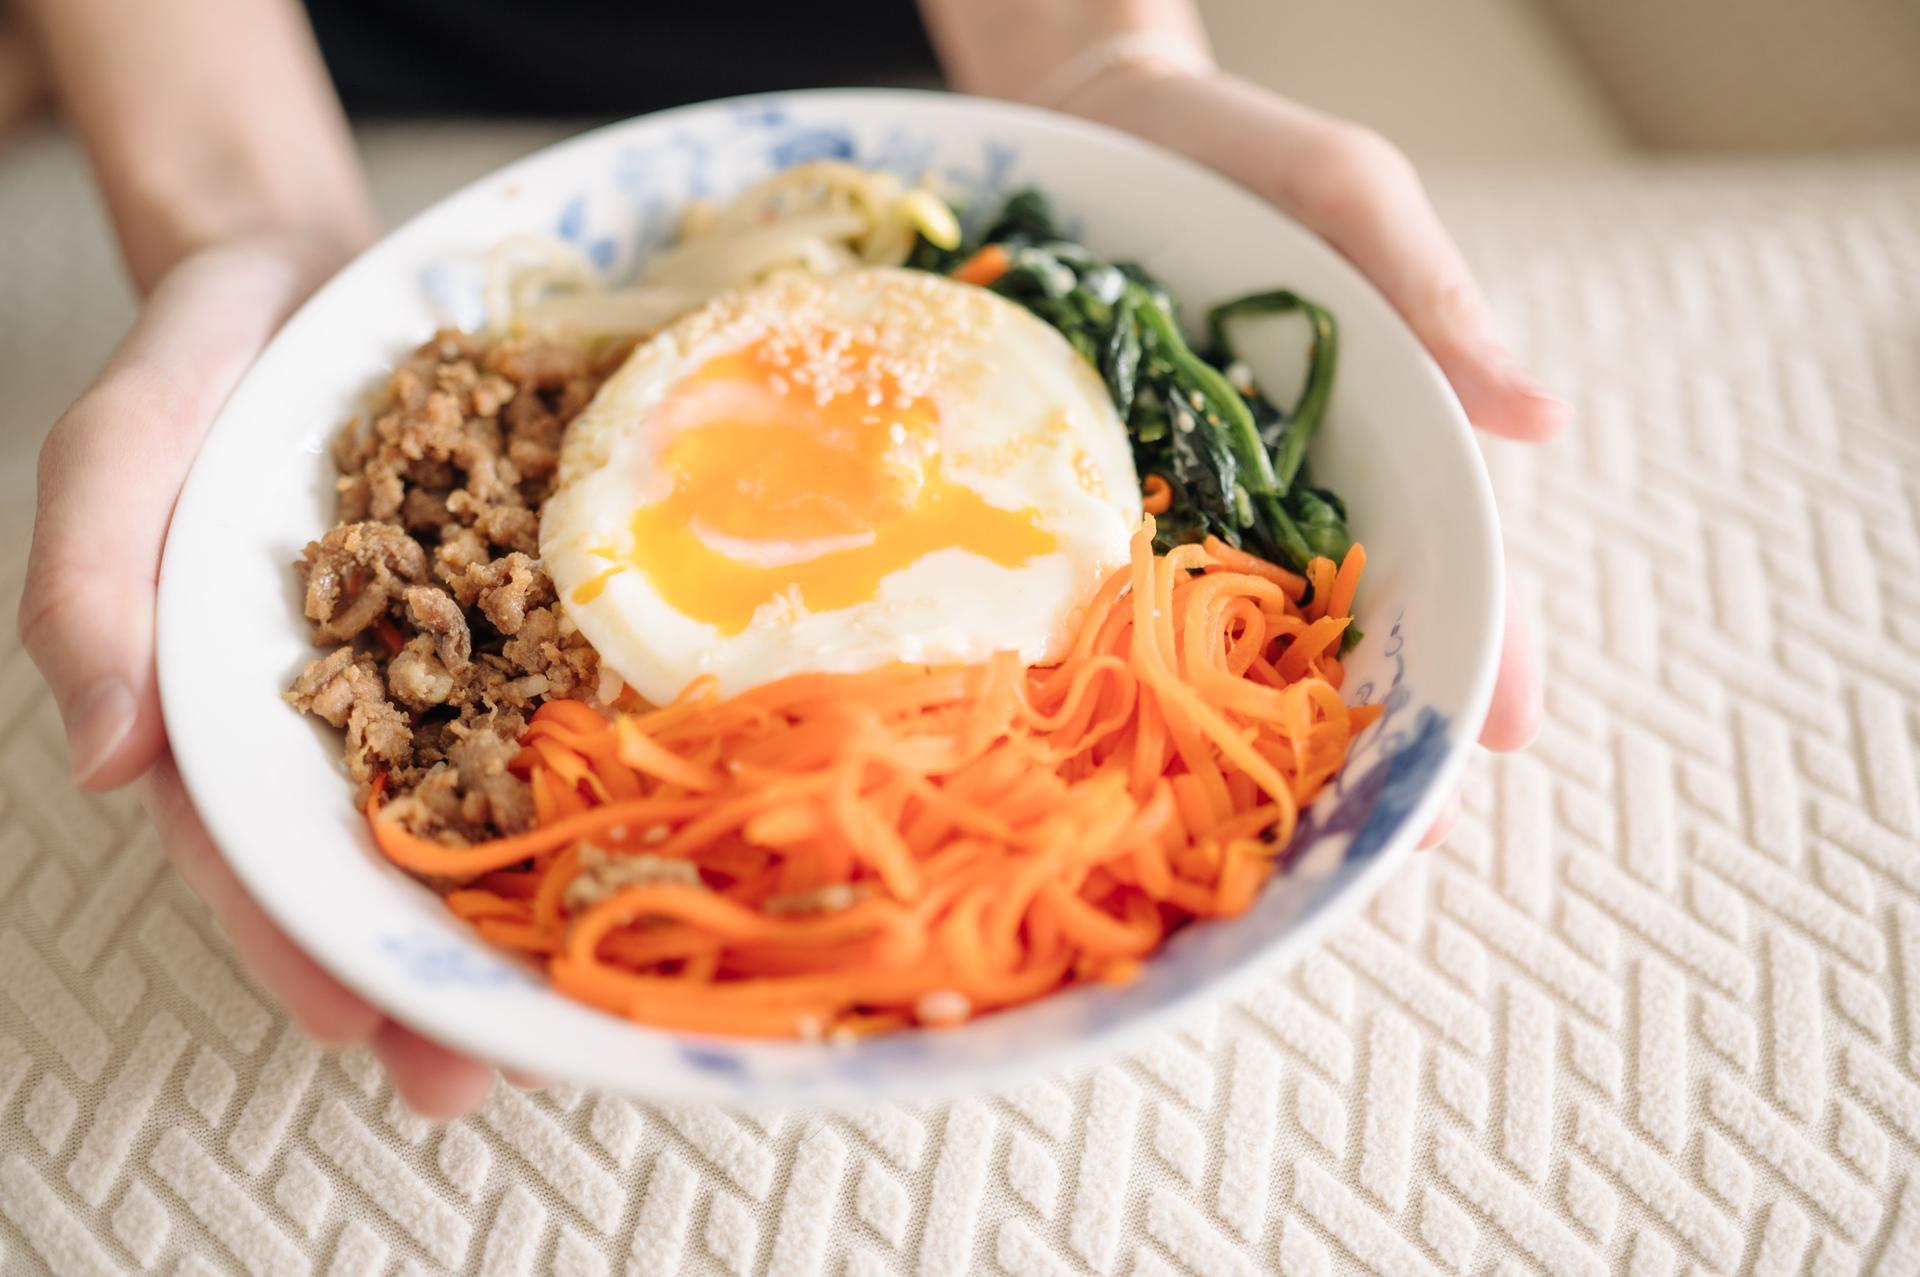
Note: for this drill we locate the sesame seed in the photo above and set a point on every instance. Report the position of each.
(943, 1007)
(801, 325)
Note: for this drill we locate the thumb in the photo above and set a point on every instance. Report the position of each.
(109, 473)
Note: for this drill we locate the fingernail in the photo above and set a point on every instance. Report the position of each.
(1545, 415)
(1553, 403)
(97, 725)
(1532, 389)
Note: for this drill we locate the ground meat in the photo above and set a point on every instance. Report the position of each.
(565, 661)
(433, 611)
(490, 796)
(379, 738)
(429, 591)
(505, 588)
(345, 688)
(425, 511)
(469, 792)
(574, 396)
(541, 365)
(386, 488)
(417, 675)
(352, 573)
(460, 548)
(533, 436)
(492, 479)
(330, 686)
(511, 529)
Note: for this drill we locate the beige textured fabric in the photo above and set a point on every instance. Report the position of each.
(1655, 1009)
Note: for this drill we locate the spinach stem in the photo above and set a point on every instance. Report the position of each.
(1242, 435)
(1322, 358)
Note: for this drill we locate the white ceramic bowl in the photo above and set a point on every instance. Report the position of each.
(268, 781)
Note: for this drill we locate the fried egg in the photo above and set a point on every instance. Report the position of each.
(828, 474)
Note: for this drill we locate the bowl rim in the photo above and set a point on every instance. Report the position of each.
(196, 748)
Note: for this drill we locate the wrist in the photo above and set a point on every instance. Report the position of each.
(165, 224)
(1043, 52)
(1087, 84)
(1214, 118)
(1158, 101)
(265, 272)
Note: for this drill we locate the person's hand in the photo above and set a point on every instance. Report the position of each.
(109, 474)
(1356, 191)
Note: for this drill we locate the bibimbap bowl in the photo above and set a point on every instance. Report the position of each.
(267, 782)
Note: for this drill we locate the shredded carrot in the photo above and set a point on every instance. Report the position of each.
(985, 266)
(1346, 581)
(1227, 558)
(1156, 494)
(1320, 577)
(389, 635)
(833, 855)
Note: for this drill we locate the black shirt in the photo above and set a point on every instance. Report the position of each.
(604, 57)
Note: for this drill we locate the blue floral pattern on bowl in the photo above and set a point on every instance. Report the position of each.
(434, 961)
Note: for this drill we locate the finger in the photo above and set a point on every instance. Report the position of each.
(431, 1080)
(1361, 195)
(526, 1081)
(109, 473)
(1353, 189)
(1514, 715)
(1442, 823)
(322, 1006)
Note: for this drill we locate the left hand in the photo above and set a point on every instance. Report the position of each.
(1360, 194)
(109, 474)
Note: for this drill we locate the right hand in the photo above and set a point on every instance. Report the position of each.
(110, 472)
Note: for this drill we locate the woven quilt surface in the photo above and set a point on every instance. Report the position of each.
(1654, 1010)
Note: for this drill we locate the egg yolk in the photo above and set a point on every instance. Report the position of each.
(803, 471)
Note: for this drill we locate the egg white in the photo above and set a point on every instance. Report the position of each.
(1024, 421)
